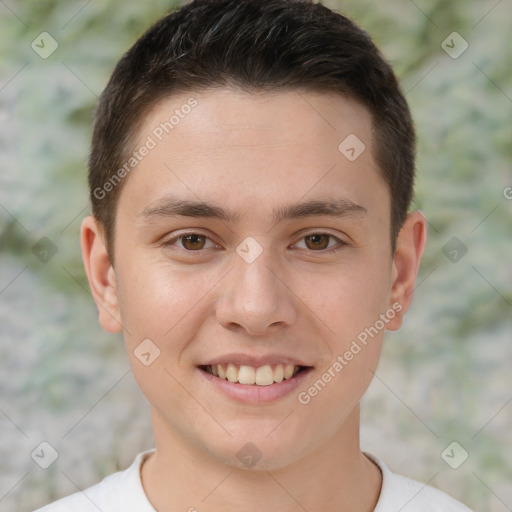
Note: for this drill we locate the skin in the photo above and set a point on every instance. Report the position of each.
(251, 153)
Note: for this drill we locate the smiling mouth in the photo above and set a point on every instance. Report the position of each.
(258, 376)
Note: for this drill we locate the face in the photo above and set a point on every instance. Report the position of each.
(283, 270)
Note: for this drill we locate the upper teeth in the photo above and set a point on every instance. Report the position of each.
(261, 376)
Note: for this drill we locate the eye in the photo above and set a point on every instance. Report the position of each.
(191, 241)
(194, 242)
(320, 241)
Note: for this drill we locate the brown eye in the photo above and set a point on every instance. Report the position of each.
(190, 242)
(318, 241)
(193, 242)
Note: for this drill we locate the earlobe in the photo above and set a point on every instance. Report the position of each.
(406, 261)
(100, 274)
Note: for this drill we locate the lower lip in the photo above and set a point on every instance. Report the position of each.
(251, 393)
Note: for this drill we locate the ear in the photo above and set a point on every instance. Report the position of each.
(100, 274)
(406, 261)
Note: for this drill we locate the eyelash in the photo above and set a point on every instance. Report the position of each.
(170, 242)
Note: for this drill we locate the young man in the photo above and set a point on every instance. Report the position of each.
(251, 172)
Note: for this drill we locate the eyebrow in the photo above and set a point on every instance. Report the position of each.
(170, 206)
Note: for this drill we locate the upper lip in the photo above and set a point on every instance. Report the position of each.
(248, 360)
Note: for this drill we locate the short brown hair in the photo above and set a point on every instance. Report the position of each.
(256, 45)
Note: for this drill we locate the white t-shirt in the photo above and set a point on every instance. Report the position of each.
(123, 492)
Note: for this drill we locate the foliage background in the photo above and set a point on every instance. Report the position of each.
(444, 377)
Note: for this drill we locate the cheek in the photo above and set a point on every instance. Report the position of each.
(351, 305)
(350, 299)
(161, 310)
(159, 303)
(339, 386)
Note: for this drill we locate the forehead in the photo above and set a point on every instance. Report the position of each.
(232, 111)
(252, 148)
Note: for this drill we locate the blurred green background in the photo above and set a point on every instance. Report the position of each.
(444, 377)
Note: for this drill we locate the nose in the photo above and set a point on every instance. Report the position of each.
(256, 298)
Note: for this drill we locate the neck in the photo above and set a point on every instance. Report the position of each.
(335, 476)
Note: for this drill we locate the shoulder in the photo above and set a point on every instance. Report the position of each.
(402, 493)
(120, 491)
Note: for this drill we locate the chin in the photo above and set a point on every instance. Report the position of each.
(259, 453)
